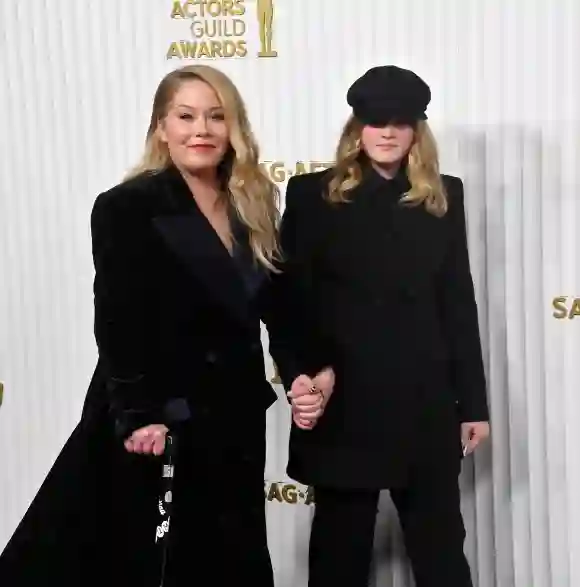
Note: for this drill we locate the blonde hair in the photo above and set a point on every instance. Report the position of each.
(422, 170)
(253, 195)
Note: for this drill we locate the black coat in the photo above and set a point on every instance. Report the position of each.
(177, 322)
(391, 289)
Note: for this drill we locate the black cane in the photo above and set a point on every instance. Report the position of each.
(165, 502)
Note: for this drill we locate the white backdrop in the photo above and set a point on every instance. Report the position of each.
(76, 94)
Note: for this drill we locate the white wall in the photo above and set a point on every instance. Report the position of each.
(505, 75)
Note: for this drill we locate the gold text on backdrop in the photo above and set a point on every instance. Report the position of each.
(290, 493)
(276, 379)
(279, 171)
(566, 307)
(219, 29)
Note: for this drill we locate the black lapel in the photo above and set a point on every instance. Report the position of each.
(191, 238)
(252, 273)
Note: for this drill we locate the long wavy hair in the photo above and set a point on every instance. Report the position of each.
(422, 168)
(249, 190)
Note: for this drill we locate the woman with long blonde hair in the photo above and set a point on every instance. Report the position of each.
(187, 263)
(382, 246)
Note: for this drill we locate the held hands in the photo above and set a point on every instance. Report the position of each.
(472, 433)
(309, 398)
(149, 440)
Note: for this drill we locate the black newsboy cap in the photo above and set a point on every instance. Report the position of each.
(389, 93)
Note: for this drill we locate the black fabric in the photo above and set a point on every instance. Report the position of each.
(177, 325)
(390, 287)
(341, 541)
(388, 94)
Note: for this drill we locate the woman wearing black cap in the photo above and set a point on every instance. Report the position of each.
(378, 244)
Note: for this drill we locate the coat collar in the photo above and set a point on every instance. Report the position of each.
(388, 233)
(189, 236)
(372, 179)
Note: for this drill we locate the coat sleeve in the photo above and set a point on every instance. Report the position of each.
(296, 342)
(460, 317)
(119, 244)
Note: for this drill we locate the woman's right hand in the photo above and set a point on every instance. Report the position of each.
(149, 440)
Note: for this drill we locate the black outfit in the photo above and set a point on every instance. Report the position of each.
(391, 291)
(177, 322)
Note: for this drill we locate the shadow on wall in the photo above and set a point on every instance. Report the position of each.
(505, 171)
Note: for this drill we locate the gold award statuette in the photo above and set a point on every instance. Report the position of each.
(265, 13)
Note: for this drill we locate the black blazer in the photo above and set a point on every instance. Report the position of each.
(391, 290)
(177, 319)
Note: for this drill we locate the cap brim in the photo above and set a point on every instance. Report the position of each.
(384, 119)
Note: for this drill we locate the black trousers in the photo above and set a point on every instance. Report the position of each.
(342, 534)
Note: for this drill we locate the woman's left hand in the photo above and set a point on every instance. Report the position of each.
(307, 402)
(310, 396)
(472, 434)
(324, 382)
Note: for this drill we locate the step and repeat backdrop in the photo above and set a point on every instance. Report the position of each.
(78, 80)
